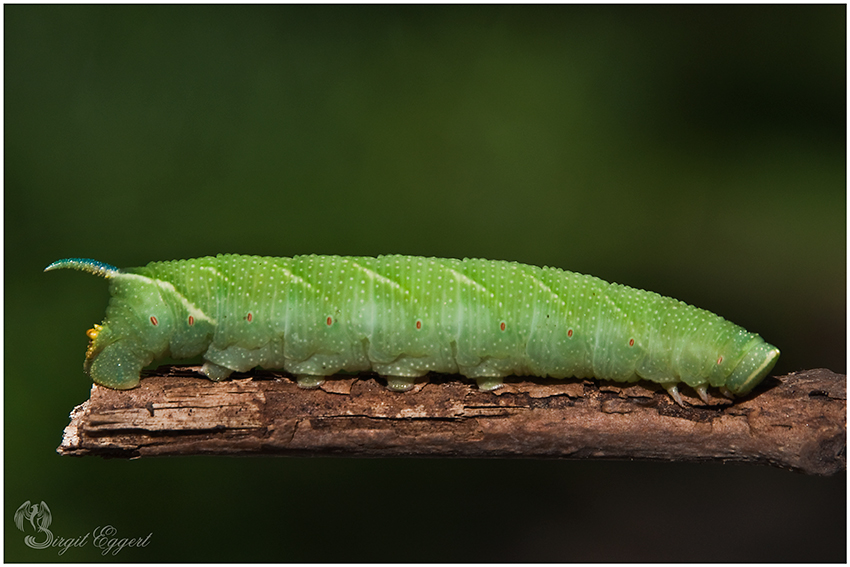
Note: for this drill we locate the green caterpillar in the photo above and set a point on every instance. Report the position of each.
(405, 316)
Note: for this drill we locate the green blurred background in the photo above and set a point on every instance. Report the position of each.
(694, 151)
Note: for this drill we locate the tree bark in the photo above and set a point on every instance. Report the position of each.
(796, 421)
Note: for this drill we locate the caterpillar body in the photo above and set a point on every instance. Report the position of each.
(405, 316)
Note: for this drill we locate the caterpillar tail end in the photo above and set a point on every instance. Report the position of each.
(112, 362)
(85, 265)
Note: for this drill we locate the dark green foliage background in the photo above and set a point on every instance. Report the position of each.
(695, 151)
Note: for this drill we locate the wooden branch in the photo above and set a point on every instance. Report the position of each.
(796, 421)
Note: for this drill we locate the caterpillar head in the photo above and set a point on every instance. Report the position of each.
(146, 319)
(759, 359)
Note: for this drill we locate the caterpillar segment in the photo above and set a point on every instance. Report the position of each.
(406, 316)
